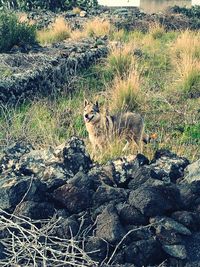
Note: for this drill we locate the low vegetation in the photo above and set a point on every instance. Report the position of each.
(15, 33)
(156, 74)
(57, 32)
(48, 4)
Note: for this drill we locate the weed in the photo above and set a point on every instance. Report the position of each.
(57, 32)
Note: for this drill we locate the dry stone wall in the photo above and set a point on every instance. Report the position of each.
(45, 70)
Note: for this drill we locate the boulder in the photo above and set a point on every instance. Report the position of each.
(11, 155)
(97, 248)
(67, 228)
(75, 156)
(187, 218)
(124, 168)
(190, 195)
(73, 198)
(105, 194)
(35, 210)
(192, 172)
(14, 190)
(155, 200)
(109, 227)
(167, 165)
(176, 251)
(170, 224)
(130, 215)
(136, 233)
(141, 176)
(144, 253)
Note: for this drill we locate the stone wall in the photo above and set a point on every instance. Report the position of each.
(44, 71)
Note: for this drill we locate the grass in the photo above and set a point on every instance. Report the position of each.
(125, 93)
(156, 74)
(60, 30)
(57, 32)
(120, 60)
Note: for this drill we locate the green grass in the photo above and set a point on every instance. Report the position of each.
(191, 84)
(166, 97)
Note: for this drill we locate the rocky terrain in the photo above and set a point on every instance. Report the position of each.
(43, 71)
(127, 212)
(174, 18)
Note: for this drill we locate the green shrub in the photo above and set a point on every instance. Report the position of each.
(13, 32)
(48, 4)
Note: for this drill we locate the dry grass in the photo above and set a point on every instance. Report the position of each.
(76, 10)
(125, 93)
(97, 27)
(23, 18)
(186, 55)
(187, 43)
(57, 32)
(156, 30)
(92, 28)
(113, 149)
(121, 60)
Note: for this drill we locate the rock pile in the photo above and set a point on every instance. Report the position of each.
(131, 211)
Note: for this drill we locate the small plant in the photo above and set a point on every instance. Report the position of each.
(187, 43)
(120, 36)
(191, 133)
(57, 32)
(13, 32)
(157, 31)
(120, 60)
(191, 84)
(125, 93)
(97, 27)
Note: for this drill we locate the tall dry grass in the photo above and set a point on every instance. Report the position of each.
(57, 32)
(93, 28)
(156, 30)
(121, 60)
(186, 60)
(125, 93)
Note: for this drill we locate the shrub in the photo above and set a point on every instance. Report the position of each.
(57, 32)
(48, 4)
(13, 32)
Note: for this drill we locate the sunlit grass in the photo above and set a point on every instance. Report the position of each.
(125, 93)
(57, 32)
(161, 81)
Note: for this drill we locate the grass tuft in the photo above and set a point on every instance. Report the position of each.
(125, 93)
(156, 30)
(57, 32)
(121, 59)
